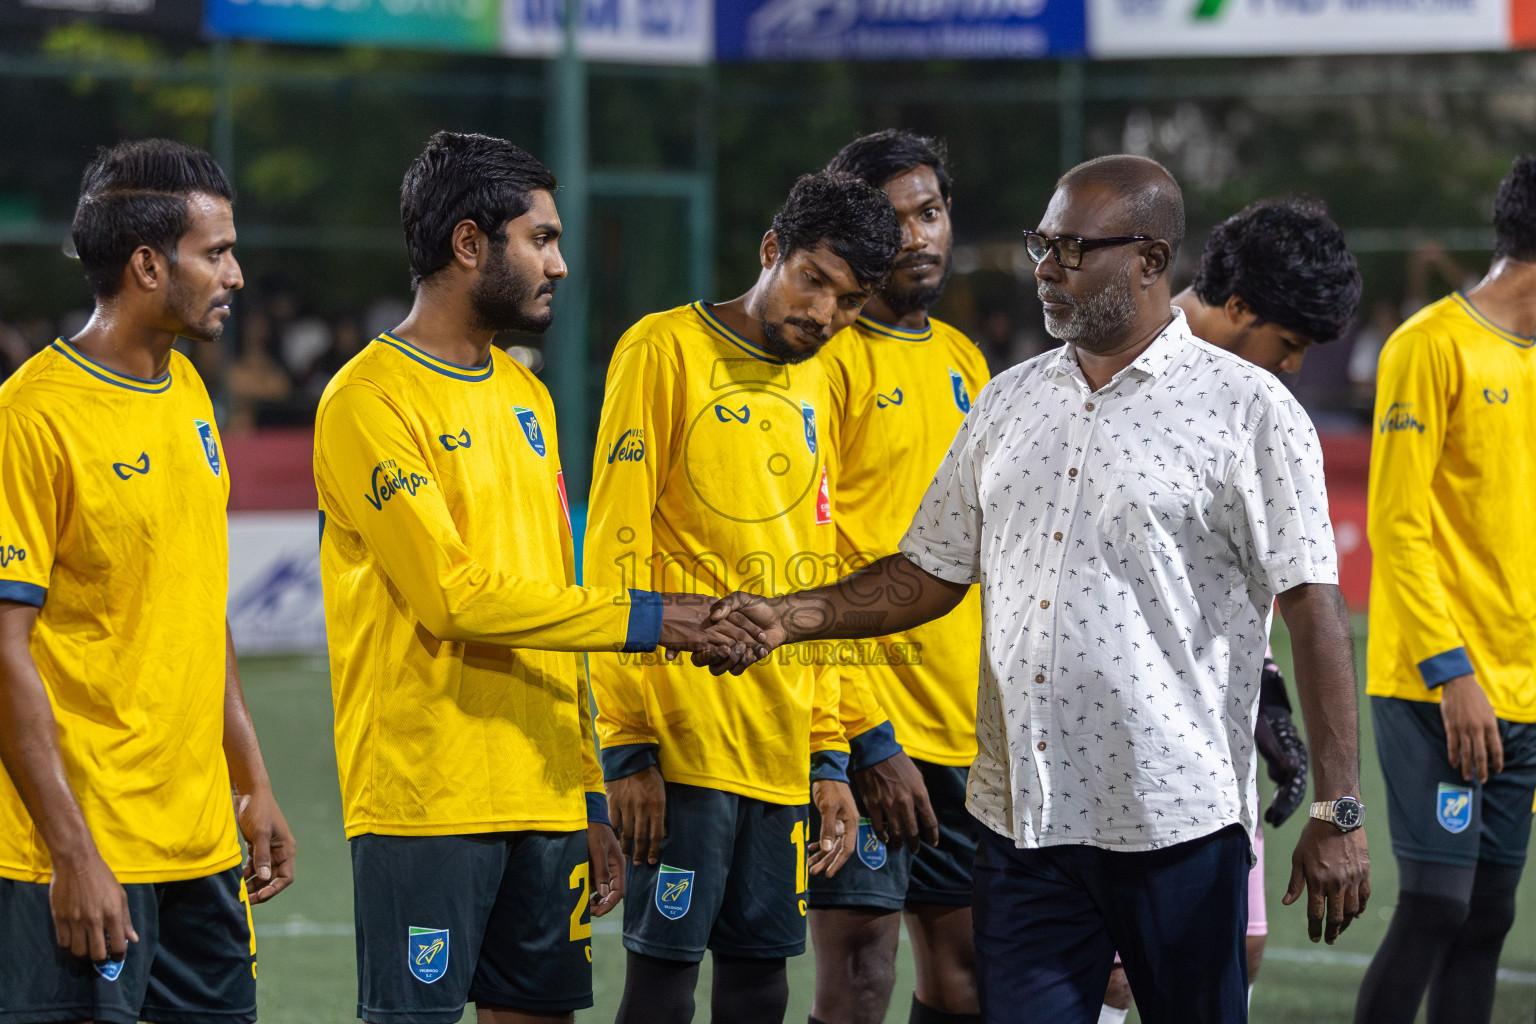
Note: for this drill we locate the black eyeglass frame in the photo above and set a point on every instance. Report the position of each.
(1053, 246)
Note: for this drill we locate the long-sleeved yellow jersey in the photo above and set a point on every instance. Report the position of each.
(450, 605)
(112, 523)
(898, 396)
(1453, 573)
(710, 477)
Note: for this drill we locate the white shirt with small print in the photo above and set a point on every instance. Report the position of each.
(1129, 543)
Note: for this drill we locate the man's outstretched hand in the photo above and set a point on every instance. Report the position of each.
(687, 624)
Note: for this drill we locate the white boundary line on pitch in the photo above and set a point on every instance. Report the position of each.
(301, 929)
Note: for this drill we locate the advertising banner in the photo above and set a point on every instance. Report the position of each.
(471, 25)
(639, 31)
(164, 17)
(275, 602)
(1166, 28)
(898, 29)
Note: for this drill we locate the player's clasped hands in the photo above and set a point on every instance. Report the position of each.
(726, 635)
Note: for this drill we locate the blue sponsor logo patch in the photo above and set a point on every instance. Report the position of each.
(210, 446)
(1453, 807)
(871, 849)
(531, 429)
(426, 953)
(139, 466)
(810, 425)
(451, 442)
(388, 480)
(957, 387)
(674, 892)
(882, 399)
(110, 969)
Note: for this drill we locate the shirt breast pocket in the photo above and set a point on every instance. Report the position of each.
(1148, 506)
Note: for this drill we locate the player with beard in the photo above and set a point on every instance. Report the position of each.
(1275, 278)
(122, 723)
(470, 786)
(901, 385)
(711, 476)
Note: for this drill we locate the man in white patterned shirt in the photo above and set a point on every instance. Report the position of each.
(1131, 504)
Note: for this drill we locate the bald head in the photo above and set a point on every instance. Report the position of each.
(1151, 202)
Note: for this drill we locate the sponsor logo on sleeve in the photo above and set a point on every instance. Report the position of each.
(630, 447)
(139, 466)
(531, 431)
(882, 400)
(809, 415)
(674, 892)
(426, 953)
(388, 480)
(1453, 807)
(11, 553)
(871, 850)
(453, 442)
(1399, 418)
(957, 388)
(210, 446)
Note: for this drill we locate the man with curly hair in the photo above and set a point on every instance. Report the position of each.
(1453, 581)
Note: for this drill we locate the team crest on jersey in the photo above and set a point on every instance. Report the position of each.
(871, 849)
(426, 953)
(957, 386)
(1453, 807)
(810, 425)
(111, 969)
(674, 892)
(210, 446)
(531, 429)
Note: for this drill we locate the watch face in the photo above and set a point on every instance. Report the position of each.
(1346, 813)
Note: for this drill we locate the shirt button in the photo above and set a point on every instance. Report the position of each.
(1040, 677)
(1088, 406)
(1071, 472)
(1045, 604)
(1056, 536)
(1040, 745)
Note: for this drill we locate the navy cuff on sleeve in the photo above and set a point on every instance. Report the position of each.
(23, 593)
(829, 766)
(644, 622)
(1444, 667)
(622, 762)
(874, 745)
(597, 809)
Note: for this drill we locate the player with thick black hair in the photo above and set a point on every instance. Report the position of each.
(1275, 278)
(1451, 662)
(902, 383)
(712, 473)
(121, 892)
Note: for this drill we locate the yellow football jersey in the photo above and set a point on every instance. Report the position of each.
(1453, 574)
(898, 396)
(112, 522)
(710, 477)
(450, 604)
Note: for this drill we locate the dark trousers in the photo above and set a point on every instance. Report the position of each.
(1049, 921)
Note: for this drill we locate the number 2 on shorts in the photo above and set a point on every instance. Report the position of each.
(580, 879)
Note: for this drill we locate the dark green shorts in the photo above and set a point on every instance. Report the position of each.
(892, 878)
(194, 963)
(1436, 815)
(731, 879)
(500, 919)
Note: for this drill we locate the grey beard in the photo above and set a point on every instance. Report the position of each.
(1095, 317)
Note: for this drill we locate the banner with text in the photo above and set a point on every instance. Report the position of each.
(898, 29)
(641, 31)
(1167, 28)
(472, 25)
(275, 601)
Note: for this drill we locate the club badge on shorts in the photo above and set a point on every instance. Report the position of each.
(110, 969)
(1453, 806)
(871, 850)
(674, 892)
(426, 953)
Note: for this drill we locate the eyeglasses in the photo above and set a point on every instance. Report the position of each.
(1069, 249)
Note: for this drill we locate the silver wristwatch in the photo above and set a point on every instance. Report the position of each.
(1346, 813)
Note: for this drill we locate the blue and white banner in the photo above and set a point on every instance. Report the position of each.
(634, 31)
(898, 29)
(275, 602)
